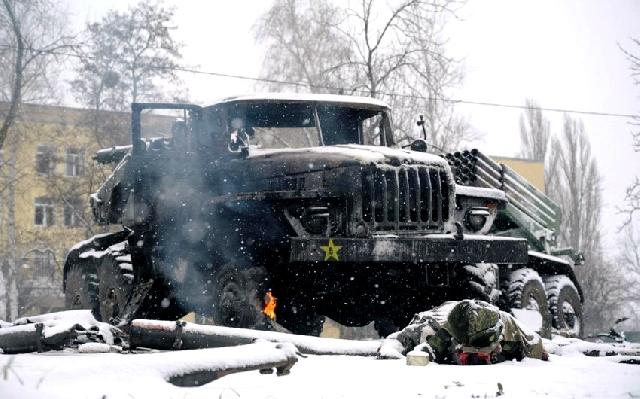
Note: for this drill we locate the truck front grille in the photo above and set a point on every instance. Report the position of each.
(408, 197)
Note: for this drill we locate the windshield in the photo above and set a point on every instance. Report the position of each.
(293, 125)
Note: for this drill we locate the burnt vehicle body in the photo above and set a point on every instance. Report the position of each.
(301, 198)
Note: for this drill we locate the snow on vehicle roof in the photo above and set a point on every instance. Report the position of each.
(307, 97)
(482, 192)
(364, 153)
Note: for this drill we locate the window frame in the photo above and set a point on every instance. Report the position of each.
(74, 162)
(44, 209)
(45, 153)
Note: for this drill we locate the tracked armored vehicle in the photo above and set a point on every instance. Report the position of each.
(280, 210)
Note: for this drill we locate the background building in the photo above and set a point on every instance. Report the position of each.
(46, 175)
(533, 171)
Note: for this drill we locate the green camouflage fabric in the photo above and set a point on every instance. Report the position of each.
(468, 326)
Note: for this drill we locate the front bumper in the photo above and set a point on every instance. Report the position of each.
(421, 249)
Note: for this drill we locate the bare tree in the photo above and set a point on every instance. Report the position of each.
(632, 202)
(33, 36)
(629, 258)
(310, 50)
(534, 132)
(634, 61)
(32, 33)
(393, 52)
(430, 74)
(125, 57)
(632, 196)
(535, 138)
(576, 187)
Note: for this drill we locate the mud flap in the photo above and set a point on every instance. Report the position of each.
(138, 294)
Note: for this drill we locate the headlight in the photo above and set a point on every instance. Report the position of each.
(476, 218)
(316, 219)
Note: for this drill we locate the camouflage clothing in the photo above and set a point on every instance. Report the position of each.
(454, 330)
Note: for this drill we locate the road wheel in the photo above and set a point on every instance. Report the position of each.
(385, 327)
(477, 281)
(81, 286)
(525, 290)
(564, 304)
(115, 283)
(238, 298)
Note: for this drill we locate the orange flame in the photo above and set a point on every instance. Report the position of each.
(270, 302)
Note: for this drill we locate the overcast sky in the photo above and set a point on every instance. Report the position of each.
(563, 53)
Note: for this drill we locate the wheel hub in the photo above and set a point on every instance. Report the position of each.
(232, 306)
(532, 304)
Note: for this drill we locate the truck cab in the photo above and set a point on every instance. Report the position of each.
(304, 197)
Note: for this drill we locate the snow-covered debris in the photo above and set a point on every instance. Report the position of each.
(573, 346)
(262, 355)
(54, 331)
(59, 321)
(152, 374)
(417, 358)
(94, 347)
(148, 333)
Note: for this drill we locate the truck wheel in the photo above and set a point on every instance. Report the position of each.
(385, 327)
(477, 281)
(564, 303)
(80, 287)
(299, 319)
(236, 301)
(525, 290)
(115, 282)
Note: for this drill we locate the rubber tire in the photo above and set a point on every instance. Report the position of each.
(477, 281)
(526, 283)
(561, 289)
(114, 287)
(385, 327)
(235, 298)
(81, 286)
(298, 318)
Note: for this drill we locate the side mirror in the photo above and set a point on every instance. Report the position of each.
(239, 141)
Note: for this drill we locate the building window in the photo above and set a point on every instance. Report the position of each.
(45, 160)
(74, 162)
(73, 213)
(43, 264)
(44, 212)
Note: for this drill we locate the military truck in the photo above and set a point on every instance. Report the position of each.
(278, 210)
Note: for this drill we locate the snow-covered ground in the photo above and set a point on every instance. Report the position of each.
(70, 373)
(114, 375)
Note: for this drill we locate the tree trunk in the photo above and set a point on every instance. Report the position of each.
(11, 245)
(16, 92)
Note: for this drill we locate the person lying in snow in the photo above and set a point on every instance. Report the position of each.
(464, 332)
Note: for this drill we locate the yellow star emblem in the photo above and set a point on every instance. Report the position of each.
(331, 250)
